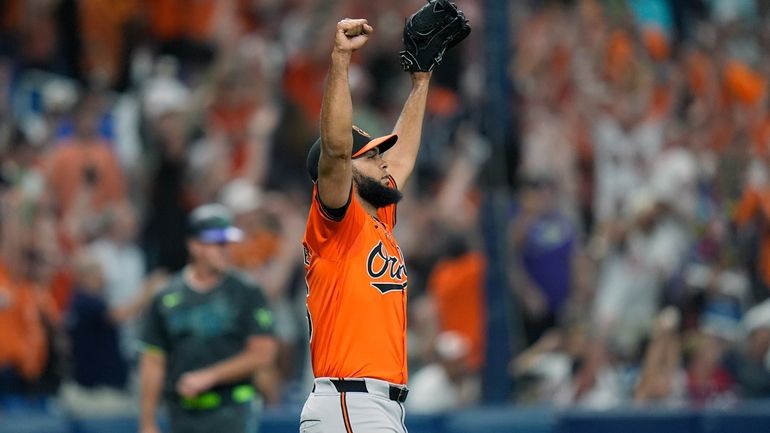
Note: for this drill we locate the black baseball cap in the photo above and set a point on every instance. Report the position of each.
(213, 224)
(362, 143)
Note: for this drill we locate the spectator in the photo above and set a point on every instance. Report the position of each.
(85, 163)
(753, 208)
(646, 251)
(662, 378)
(122, 264)
(545, 367)
(456, 287)
(168, 198)
(545, 248)
(708, 381)
(445, 384)
(29, 364)
(750, 362)
(94, 326)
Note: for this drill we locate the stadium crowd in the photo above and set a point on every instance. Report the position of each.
(636, 225)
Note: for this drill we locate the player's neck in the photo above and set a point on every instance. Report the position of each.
(368, 207)
(201, 279)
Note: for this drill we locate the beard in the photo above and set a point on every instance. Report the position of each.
(375, 193)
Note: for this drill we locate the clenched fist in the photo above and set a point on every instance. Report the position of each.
(352, 34)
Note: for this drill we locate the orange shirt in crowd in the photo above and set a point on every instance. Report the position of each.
(756, 203)
(457, 288)
(23, 336)
(10, 15)
(233, 121)
(174, 19)
(743, 84)
(356, 293)
(102, 27)
(303, 84)
(66, 168)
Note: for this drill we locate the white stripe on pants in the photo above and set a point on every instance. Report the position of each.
(329, 411)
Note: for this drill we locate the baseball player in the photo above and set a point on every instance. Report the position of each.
(356, 277)
(204, 337)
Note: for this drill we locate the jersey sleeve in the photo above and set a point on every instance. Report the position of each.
(387, 214)
(256, 317)
(154, 335)
(328, 236)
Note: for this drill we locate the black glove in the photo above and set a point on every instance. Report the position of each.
(429, 32)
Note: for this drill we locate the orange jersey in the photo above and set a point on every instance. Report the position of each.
(457, 285)
(356, 293)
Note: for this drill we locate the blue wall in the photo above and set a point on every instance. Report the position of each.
(748, 418)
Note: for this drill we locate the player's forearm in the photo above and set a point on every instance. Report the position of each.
(337, 108)
(409, 128)
(244, 364)
(151, 376)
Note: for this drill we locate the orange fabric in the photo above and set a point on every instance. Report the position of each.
(661, 102)
(303, 83)
(256, 249)
(165, 21)
(761, 138)
(620, 55)
(61, 286)
(656, 43)
(234, 122)
(38, 34)
(356, 294)
(21, 329)
(172, 19)
(756, 203)
(442, 101)
(697, 68)
(457, 288)
(10, 15)
(65, 167)
(743, 84)
(199, 15)
(102, 27)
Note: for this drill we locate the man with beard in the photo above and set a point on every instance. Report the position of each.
(204, 337)
(356, 278)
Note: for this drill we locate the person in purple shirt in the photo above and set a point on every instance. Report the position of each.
(544, 244)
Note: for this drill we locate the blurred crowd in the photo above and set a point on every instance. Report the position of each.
(635, 229)
(640, 229)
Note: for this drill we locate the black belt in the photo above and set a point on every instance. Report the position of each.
(395, 393)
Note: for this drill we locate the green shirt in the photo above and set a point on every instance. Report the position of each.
(195, 330)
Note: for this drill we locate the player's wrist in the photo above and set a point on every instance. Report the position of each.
(212, 376)
(340, 53)
(419, 77)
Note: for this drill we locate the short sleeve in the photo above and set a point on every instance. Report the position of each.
(330, 237)
(154, 336)
(257, 317)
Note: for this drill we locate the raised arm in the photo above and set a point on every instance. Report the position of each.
(335, 172)
(402, 156)
(428, 33)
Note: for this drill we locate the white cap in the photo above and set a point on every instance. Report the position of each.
(639, 203)
(163, 95)
(240, 196)
(757, 317)
(59, 95)
(451, 345)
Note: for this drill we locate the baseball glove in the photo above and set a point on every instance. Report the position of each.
(429, 32)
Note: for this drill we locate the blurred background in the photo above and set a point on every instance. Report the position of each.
(587, 234)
